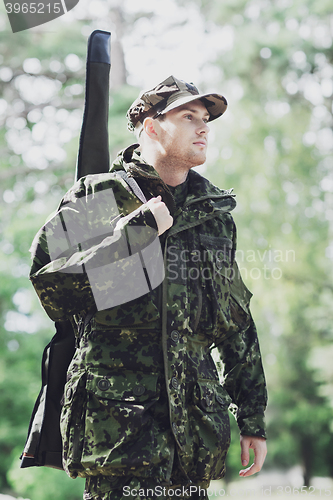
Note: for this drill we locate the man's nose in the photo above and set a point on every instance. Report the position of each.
(203, 128)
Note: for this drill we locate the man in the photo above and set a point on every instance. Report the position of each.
(153, 286)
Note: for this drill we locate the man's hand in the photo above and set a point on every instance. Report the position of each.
(161, 213)
(258, 445)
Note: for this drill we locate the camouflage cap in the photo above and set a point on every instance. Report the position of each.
(168, 95)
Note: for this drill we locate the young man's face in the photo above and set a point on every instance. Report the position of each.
(183, 134)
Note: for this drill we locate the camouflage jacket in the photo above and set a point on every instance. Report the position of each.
(143, 387)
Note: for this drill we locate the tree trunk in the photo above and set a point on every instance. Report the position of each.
(118, 72)
(307, 454)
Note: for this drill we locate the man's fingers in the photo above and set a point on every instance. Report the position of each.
(161, 213)
(253, 469)
(260, 450)
(245, 453)
(250, 470)
(158, 198)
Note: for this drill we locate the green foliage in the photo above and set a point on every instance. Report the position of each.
(42, 483)
(120, 102)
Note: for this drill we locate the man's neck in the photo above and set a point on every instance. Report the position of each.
(172, 177)
(171, 173)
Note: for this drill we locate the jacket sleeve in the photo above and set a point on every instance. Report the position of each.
(243, 376)
(88, 234)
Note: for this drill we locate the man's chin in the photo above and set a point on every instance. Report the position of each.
(198, 160)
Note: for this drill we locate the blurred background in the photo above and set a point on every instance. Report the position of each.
(274, 63)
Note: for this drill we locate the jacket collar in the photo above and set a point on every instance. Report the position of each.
(131, 160)
(200, 188)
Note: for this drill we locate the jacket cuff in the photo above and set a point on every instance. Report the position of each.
(253, 425)
(142, 216)
(149, 217)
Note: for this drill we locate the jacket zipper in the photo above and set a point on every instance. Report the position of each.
(201, 290)
(197, 319)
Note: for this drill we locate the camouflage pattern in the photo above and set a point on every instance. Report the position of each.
(143, 392)
(168, 95)
(71, 280)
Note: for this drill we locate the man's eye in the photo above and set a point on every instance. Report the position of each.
(189, 117)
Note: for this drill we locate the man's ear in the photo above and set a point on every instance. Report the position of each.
(150, 126)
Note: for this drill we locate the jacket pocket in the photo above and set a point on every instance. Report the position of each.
(72, 424)
(216, 276)
(119, 426)
(240, 297)
(210, 427)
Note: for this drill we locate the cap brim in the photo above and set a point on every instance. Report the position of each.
(215, 104)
